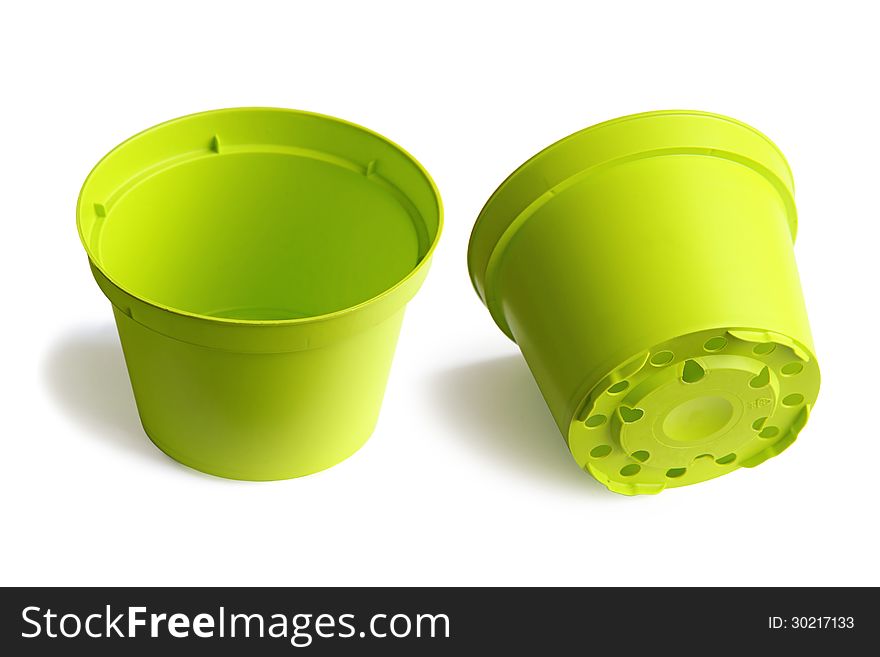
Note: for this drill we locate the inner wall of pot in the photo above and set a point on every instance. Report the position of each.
(260, 236)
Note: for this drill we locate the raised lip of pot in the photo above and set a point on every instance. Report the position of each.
(478, 258)
(300, 321)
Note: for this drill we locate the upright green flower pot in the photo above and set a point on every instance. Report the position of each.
(259, 262)
(645, 268)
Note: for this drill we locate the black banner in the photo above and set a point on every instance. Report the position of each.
(420, 621)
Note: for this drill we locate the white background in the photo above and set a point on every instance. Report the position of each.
(466, 479)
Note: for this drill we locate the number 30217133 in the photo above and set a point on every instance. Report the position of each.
(811, 623)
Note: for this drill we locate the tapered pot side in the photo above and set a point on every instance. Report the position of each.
(259, 262)
(645, 268)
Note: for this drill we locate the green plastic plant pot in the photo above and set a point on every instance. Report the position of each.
(259, 262)
(645, 268)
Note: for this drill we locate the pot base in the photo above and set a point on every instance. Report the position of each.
(694, 408)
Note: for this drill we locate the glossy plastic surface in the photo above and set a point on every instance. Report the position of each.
(645, 268)
(259, 262)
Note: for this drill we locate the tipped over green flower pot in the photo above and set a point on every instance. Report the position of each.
(645, 268)
(259, 262)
